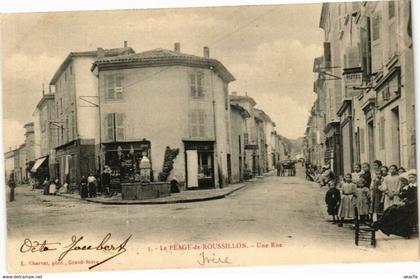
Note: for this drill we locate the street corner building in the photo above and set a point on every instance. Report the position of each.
(365, 106)
(160, 101)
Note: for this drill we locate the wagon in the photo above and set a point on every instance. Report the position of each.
(289, 167)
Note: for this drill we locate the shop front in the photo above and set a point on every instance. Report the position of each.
(199, 162)
(123, 158)
(332, 142)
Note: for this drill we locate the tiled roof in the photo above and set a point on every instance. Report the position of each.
(94, 53)
(242, 98)
(163, 57)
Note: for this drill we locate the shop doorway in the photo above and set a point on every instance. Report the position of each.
(371, 146)
(395, 134)
(199, 162)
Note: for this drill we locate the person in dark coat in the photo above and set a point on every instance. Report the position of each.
(46, 186)
(366, 175)
(83, 188)
(12, 186)
(106, 180)
(332, 199)
(399, 219)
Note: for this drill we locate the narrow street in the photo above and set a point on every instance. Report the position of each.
(288, 210)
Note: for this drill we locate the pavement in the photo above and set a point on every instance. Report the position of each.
(182, 197)
(287, 210)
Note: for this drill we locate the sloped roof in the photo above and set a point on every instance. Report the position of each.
(93, 53)
(163, 57)
(242, 98)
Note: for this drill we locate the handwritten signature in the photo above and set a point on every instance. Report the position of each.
(30, 246)
(213, 259)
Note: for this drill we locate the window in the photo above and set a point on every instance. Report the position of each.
(65, 76)
(246, 138)
(327, 54)
(197, 124)
(391, 9)
(67, 127)
(376, 28)
(362, 140)
(226, 93)
(61, 105)
(71, 70)
(115, 126)
(73, 125)
(196, 80)
(114, 86)
(382, 133)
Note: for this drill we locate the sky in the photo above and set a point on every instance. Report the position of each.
(269, 50)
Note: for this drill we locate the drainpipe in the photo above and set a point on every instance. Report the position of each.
(219, 172)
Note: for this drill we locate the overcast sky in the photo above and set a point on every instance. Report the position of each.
(269, 49)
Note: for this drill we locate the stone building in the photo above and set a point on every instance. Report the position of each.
(162, 98)
(75, 89)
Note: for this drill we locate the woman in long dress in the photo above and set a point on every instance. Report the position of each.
(52, 189)
(399, 219)
(391, 187)
(346, 210)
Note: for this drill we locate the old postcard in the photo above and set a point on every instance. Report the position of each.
(209, 137)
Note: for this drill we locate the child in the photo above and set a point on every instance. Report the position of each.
(346, 209)
(357, 171)
(332, 199)
(362, 194)
(376, 196)
(391, 187)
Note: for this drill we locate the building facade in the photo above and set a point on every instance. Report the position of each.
(371, 60)
(75, 89)
(191, 94)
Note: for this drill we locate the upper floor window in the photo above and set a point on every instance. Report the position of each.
(114, 126)
(226, 95)
(196, 80)
(114, 86)
(376, 27)
(197, 123)
(391, 9)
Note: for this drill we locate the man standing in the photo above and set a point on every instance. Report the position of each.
(91, 185)
(12, 186)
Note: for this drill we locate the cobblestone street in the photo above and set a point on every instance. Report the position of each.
(287, 210)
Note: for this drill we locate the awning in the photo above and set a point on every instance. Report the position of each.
(38, 163)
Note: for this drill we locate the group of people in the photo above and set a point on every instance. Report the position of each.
(52, 187)
(90, 186)
(384, 197)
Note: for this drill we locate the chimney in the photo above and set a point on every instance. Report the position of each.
(206, 52)
(100, 52)
(125, 44)
(177, 47)
(234, 93)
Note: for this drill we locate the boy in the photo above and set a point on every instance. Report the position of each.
(332, 199)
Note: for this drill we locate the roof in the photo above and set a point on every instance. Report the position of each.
(162, 57)
(244, 113)
(44, 98)
(264, 115)
(318, 64)
(93, 54)
(242, 98)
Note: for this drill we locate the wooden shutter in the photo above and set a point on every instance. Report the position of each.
(110, 87)
(327, 54)
(391, 9)
(199, 78)
(110, 126)
(193, 85)
(119, 79)
(365, 48)
(362, 140)
(376, 27)
(201, 123)
(382, 133)
(119, 125)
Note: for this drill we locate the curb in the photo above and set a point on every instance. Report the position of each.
(151, 202)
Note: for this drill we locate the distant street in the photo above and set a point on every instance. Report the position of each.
(288, 210)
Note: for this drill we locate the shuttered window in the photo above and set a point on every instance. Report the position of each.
(114, 86)
(197, 123)
(115, 126)
(196, 84)
(376, 27)
(327, 54)
(391, 9)
(365, 48)
(362, 140)
(382, 133)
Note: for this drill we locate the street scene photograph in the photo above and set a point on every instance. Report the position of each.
(210, 137)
